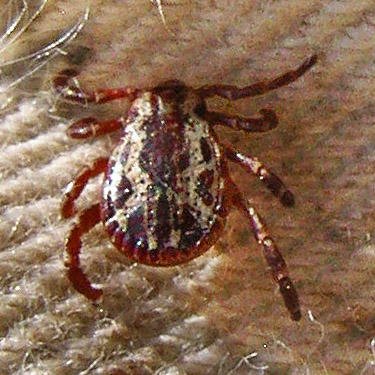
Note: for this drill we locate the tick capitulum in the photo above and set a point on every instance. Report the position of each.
(167, 191)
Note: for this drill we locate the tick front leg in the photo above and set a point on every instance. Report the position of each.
(259, 88)
(271, 253)
(75, 187)
(63, 85)
(270, 180)
(87, 220)
(267, 122)
(90, 127)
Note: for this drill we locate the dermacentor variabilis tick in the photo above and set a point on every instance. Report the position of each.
(167, 191)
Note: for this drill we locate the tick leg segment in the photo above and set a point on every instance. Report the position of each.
(90, 127)
(267, 122)
(63, 85)
(258, 88)
(75, 187)
(271, 253)
(270, 180)
(87, 220)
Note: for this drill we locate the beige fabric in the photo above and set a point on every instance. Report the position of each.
(212, 315)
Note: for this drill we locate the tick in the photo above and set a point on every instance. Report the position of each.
(167, 190)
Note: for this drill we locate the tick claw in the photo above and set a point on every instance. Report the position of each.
(61, 80)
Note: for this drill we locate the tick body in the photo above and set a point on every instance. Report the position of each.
(163, 190)
(167, 191)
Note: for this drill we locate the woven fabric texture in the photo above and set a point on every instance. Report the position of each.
(220, 313)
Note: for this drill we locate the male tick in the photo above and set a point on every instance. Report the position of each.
(167, 191)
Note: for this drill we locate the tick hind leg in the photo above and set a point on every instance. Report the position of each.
(271, 253)
(86, 220)
(270, 180)
(63, 84)
(75, 188)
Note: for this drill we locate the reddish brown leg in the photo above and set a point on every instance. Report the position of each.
(270, 180)
(267, 122)
(90, 127)
(75, 187)
(87, 220)
(259, 88)
(63, 85)
(272, 255)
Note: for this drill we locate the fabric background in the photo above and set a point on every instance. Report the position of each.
(221, 313)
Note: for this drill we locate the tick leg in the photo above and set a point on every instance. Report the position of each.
(271, 253)
(258, 88)
(63, 85)
(90, 127)
(270, 180)
(75, 187)
(87, 220)
(267, 122)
